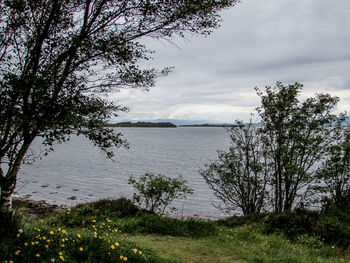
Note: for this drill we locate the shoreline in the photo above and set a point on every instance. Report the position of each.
(41, 208)
(34, 208)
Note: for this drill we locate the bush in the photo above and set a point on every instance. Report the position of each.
(121, 207)
(156, 192)
(151, 223)
(78, 215)
(292, 224)
(249, 219)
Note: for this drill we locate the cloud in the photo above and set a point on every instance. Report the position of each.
(259, 43)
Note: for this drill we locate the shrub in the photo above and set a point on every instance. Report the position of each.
(156, 192)
(151, 223)
(292, 224)
(249, 219)
(122, 207)
(100, 209)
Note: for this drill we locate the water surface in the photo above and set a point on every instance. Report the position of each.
(78, 172)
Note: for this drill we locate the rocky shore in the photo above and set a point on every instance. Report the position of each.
(36, 209)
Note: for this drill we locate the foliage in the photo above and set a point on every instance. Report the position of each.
(151, 223)
(334, 173)
(240, 220)
(160, 239)
(280, 156)
(240, 176)
(96, 242)
(156, 192)
(292, 224)
(59, 60)
(295, 134)
(98, 210)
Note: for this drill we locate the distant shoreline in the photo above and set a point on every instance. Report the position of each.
(144, 124)
(164, 125)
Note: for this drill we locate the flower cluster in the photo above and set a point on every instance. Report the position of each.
(51, 243)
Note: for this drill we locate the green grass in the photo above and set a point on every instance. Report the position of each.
(111, 231)
(240, 244)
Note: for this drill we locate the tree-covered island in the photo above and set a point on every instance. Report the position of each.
(142, 124)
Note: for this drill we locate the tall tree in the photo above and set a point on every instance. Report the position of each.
(58, 57)
(334, 173)
(239, 177)
(296, 135)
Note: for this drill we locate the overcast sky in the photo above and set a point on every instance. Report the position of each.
(260, 42)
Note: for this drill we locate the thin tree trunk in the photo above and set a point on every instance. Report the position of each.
(8, 183)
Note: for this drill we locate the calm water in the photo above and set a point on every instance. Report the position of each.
(78, 172)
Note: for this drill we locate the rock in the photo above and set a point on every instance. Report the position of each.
(37, 209)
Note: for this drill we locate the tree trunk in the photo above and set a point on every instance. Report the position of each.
(8, 182)
(6, 202)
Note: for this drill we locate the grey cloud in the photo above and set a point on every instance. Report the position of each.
(259, 43)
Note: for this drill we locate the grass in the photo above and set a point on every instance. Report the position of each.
(115, 231)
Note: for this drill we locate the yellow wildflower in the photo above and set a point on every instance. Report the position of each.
(112, 246)
(51, 232)
(68, 213)
(62, 245)
(140, 253)
(44, 238)
(32, 243)
(81, 249)
(48, 241)
(59, 229)
(17, 252)
(64, 231)
(46, 246)
(93, 221)
(61, 258)
(25, 244)
(116, 244)
(41, 220)
(79, 236)
(63, 240)
(37, 255)
(60, 253)
(125, 258)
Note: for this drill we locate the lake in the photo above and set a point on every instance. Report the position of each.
(77, 172)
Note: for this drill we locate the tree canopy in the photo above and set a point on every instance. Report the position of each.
(60, 58)
(300, 147)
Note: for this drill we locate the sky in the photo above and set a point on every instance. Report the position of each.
(258, 43)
